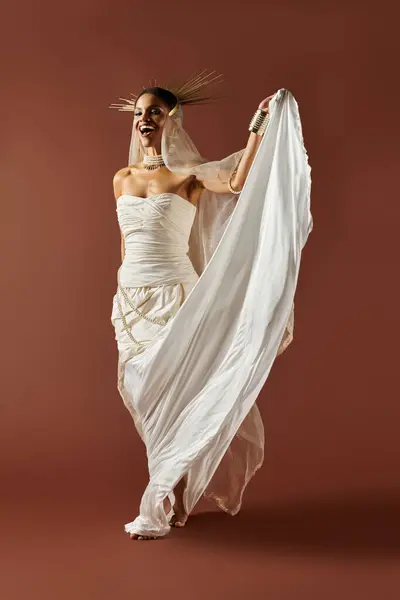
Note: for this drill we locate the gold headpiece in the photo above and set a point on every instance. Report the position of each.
(191, 92)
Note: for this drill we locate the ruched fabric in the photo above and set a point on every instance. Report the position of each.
(156, 232)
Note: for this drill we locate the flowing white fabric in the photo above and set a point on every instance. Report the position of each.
(155, 278)
(195, 385)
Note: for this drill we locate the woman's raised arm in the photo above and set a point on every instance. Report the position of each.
(236, 180)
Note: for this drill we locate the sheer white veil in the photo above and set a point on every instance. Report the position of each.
(213, 210)
(181, 155)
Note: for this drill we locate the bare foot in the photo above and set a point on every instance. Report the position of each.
(135, 536)
(179, 517)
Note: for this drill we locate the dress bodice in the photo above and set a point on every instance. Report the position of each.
(156, 234)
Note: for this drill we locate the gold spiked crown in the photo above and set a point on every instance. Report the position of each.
(191, 92)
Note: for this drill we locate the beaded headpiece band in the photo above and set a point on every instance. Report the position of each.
(191, 92)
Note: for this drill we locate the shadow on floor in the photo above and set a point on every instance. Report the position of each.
(357, 527)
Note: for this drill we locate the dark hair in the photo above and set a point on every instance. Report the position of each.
(165, 95)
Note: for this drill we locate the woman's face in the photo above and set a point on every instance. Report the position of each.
(149, 120)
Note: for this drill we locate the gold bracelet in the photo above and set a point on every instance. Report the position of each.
(259, 122)
(230, 184)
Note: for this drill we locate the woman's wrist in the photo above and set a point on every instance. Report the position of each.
(259, 122)
(230, 186)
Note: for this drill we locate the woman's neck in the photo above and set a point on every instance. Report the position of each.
(152, 151)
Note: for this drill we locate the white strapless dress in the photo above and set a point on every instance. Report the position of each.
(156, 231)
(156, 274)
(195, 352)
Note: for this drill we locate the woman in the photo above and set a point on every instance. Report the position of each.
(183, 373)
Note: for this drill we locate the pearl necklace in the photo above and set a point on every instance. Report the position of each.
(153, 162)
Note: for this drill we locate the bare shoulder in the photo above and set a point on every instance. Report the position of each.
(122, 174)
(119, 178)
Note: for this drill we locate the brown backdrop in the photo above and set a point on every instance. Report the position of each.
(73, 466)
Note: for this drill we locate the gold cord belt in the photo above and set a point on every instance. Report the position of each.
(154, 320)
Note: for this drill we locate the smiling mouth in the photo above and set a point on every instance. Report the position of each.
(146, 130)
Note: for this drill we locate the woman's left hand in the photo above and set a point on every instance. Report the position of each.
(264, 105)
